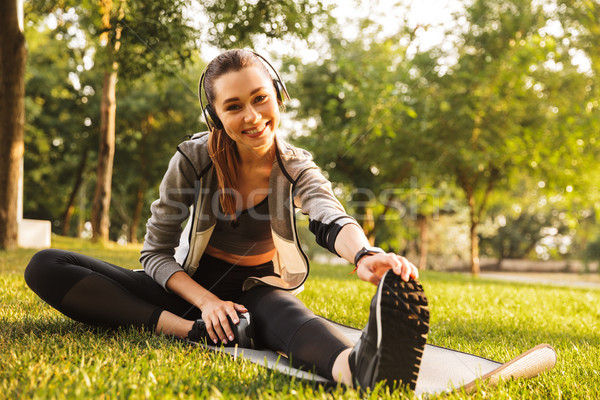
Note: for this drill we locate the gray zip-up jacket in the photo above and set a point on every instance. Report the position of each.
(191, 183)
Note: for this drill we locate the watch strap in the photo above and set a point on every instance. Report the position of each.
(366, 251)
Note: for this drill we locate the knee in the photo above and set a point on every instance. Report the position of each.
(272, 304)
(40, 267)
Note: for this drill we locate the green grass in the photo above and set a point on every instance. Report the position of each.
(45, 355)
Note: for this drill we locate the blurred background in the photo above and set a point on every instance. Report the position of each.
(463, 134)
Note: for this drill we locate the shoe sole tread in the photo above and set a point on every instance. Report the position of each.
(403, 308)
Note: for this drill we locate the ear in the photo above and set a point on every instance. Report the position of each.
(212, 118)
(280, 90)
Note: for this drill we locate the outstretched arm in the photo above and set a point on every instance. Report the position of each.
(371, 268)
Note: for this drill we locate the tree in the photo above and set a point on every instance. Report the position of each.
(13, 55)
(63, 118)
(149, 132)
(513, 102)
(502, 108)
(133, 37)
(62, 108)
(162, 25)
(237, 23)
(523, 220)
(359, 105)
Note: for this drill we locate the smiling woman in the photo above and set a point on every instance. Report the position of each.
(243, 108)
(230, 276)
(250, 114)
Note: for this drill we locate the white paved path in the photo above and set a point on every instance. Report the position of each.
(558, 279)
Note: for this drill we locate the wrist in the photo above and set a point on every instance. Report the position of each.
(204, 299)
(364, 252)
(361, 260)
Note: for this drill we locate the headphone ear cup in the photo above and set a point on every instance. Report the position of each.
(280, 90)
(213, 117)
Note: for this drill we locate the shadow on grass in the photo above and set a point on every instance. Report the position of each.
(59, 327)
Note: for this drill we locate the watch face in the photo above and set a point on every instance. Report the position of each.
(374, 249)
(367, 250)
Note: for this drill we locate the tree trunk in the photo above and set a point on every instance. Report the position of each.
(137, 212)
(423, 238)
(475, 268)
(13, 55)
(474, 220)
(146, 129)
(82, 209)
(71, 203)
(106, 155)
(367, 223)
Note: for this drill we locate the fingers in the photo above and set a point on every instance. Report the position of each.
(239, 308)
(367, 275)
(403, 267)
(217, 322)
(371, 268)
(218, 329)
(414, 272)
(211, 331)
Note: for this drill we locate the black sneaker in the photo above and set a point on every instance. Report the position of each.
(243, 333)
(391, 345)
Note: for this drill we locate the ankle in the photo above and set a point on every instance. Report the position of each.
(341, 368)
(171, 324)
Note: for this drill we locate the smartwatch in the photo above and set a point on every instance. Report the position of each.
(365, 251)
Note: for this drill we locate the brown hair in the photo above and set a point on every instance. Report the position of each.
(221, 148)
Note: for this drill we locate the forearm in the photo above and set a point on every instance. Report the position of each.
(185, 287)
(349, 241)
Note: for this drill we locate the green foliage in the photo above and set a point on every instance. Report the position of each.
(520, 105)
(397, 129)
(155, 37)
(358, 109)
(61, 120)
(506, 100)
(532, 223)
(592, 250)
(70, 46)
(237, 23)
(155, 114)
(503, 98)
(44, 354)
(141, 36)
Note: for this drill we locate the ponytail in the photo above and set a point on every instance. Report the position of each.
(225, 157)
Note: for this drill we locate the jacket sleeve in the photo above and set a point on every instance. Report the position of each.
(314, 196)
(169, 212)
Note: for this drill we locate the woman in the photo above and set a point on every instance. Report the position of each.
(239, 252)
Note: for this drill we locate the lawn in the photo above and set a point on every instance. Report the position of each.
(45, 355)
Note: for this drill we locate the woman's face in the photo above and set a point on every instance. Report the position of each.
(246, 103)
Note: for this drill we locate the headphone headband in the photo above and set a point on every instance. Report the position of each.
(210, 115)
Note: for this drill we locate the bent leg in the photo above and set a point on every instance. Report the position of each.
(283, 323)
(96, 292)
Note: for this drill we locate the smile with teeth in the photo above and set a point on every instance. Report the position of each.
(255, 131)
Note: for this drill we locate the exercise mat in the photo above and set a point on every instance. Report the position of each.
(442, 369)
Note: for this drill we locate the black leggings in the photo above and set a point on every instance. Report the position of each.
(96, 292)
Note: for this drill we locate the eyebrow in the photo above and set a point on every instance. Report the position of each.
(233, 99)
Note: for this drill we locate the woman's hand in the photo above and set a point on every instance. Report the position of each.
(214, 314)
(371, 268)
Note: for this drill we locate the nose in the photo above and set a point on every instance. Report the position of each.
(252, 115)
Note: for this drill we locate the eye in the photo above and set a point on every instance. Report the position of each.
(232, 107)
(260, 98)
